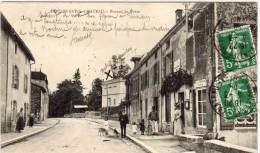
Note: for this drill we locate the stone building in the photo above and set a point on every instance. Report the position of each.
(143, 84)
(16, 60)
(188, 63)
(39, 95)
(187, 72)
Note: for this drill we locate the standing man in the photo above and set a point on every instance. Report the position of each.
(123, 119)
(153, 117)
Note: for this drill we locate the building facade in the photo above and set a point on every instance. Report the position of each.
(113, 92)
(39, 96)
(188, 63)
(16, 61)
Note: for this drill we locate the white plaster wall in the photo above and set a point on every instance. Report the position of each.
(244, 137)
(116, 90)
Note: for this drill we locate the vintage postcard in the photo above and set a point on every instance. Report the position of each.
(129, 76)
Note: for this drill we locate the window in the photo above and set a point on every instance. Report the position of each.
(156, 73)
(15, 77)
(169, 63)
(135, 86)
(109, 102)
(189, 54)
(25, 83)
(202, 115)
(144, 80)
(15, 49)
(114, 102)
(146, 108)
(190, 22)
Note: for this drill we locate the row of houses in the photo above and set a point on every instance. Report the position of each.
(20, 88)
(175, 75)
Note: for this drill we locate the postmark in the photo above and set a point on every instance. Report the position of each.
(236, 48)
(236, 96)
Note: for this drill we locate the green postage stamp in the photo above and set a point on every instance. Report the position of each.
(237, 48)
(236, 97)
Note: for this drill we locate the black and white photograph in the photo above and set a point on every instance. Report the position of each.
(129, 76)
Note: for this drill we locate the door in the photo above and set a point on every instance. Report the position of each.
(155, 103)
(167, 107)
(181, 100)
(14, 110)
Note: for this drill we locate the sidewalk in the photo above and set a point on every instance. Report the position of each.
(153, 144)
(13, 137)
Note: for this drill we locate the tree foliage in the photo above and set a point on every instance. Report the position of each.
(94, 97)
(175, 80)
(68, 93)
(117, 66)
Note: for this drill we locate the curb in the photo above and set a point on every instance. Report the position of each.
(12, 141)
(135, 141)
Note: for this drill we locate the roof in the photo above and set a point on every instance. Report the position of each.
(38, 75)
(6, 26)
(112, 81)
(42, 88)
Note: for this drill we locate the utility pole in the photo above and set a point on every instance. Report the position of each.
(107, 100)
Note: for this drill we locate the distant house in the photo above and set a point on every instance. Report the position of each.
(39, 96)
(113, 92)
(16, 59)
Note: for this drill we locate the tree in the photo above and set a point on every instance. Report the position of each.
(68, 94)
(76, 80)
(94, 97)
(117, 66)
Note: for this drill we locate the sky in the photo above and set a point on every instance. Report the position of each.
(65, 36)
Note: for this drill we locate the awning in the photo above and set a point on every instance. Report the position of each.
(80, 106)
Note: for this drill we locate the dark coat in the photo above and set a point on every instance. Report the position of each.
(123, 119)
(142, 126)
(153, 116)
(31, 121)
(20, 123)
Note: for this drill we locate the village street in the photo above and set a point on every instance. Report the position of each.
(73, 135)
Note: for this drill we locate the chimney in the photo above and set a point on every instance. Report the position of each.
(136, 60)
(178, 14)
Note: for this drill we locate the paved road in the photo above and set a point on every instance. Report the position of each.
(73, 136)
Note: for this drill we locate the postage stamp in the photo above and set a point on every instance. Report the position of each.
(237, 48)
(236, 97)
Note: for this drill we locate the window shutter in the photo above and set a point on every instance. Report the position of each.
(194, 108)
(209, 112)
(17, 78)
(13, 77)
(152, 76)
(189, 53)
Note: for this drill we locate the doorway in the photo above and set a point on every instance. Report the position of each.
(168, 108)
(181, 101)
(155, 103)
